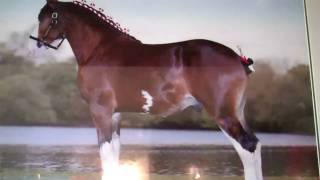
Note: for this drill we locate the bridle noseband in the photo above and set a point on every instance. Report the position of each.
(54, 22)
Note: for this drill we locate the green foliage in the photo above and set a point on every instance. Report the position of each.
(11, 64)
(21, 97)
(47, 95)
(39, 95)
(22, 100)
(59, 83)
(280, 102)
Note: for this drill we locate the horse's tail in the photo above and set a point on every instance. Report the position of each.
(247, 64)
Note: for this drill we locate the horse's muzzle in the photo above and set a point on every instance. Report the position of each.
(39, 44)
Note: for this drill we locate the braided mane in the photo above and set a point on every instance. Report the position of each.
(99, 13)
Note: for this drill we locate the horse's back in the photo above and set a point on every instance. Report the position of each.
(196, 52)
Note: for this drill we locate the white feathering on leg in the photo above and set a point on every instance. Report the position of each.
(110, 152)
(251, 161)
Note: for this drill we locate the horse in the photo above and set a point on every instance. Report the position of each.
(118, 73)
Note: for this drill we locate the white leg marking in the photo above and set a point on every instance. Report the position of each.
(116, 121)
(188, 100)
(251, 161)
(149, 101)
(110, 152)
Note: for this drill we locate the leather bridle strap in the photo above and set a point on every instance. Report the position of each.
(54, 21)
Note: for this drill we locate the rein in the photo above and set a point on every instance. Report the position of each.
(42, 41)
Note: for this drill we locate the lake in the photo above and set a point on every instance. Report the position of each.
(64, 153)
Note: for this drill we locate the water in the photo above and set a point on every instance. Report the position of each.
(48, 136)
(64, 152)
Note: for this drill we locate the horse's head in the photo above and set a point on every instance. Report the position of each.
(50, 25)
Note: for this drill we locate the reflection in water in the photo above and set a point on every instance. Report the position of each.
(197, 161)
(132, 170)
(194, 171)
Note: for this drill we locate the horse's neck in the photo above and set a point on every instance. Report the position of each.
(84, 38)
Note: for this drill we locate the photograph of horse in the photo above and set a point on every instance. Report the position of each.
(118, 73)
(205, 90)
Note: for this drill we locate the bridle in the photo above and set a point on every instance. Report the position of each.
(54, 22)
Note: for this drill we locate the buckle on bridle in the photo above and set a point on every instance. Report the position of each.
(54, 15)
(54, 18)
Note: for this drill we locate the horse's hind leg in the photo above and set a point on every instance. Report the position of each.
(247, 146)
(234, 126)
(225, 104)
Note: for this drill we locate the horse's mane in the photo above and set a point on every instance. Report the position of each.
(100, 16)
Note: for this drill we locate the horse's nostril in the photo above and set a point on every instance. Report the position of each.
(39, 44)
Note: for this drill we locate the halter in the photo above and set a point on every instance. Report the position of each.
(42, 41)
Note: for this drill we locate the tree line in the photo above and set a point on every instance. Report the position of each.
(47, 95)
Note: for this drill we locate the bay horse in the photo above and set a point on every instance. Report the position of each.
(118, 73)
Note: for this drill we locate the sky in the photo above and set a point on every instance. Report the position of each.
(268, 29)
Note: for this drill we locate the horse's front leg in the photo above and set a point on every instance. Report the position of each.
(108, 130)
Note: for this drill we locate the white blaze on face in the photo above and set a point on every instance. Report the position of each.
(149, 101)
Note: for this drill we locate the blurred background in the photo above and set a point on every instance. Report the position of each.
(37, 86)
(46, 94)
